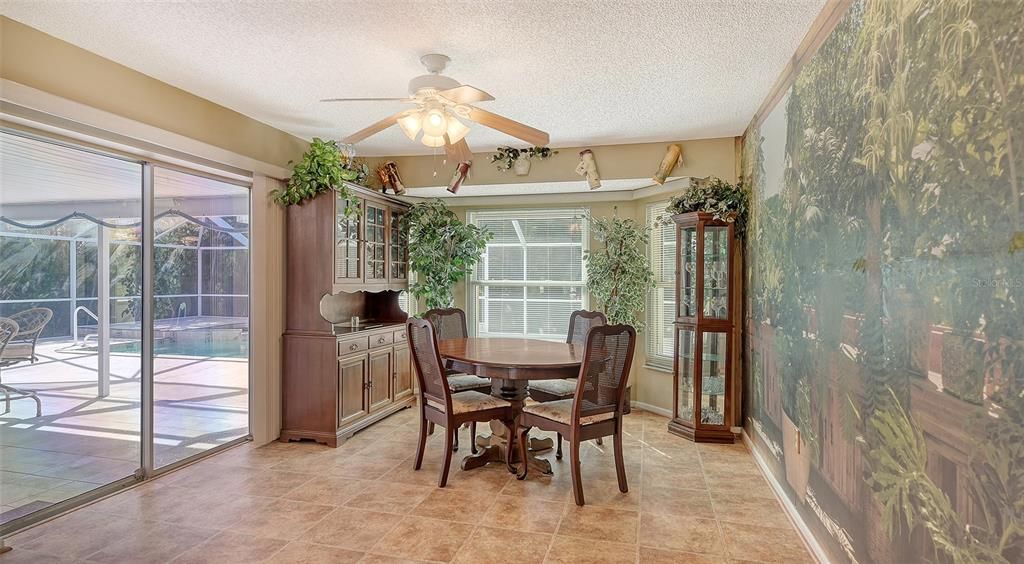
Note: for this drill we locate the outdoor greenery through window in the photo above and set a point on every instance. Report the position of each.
(531, 277)
(661, 305)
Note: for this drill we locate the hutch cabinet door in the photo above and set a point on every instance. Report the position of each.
(687, 267)
(380, 378)
(352, 404)
(686, 359)
(375, 248)
(398, 256)
(403, 373)
(348, 267)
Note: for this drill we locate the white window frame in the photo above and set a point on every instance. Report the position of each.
(656, 309)
(474, 216)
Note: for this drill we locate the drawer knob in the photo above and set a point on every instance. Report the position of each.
(353, 347)
(380, 341)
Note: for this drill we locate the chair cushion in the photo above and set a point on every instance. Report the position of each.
(559, 388)
(459, 382)
(561, 411)
(18, 350)
(466, 402)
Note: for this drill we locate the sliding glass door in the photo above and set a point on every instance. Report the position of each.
(124, 334)
(201, 314)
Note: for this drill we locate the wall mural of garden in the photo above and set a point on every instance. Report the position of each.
(885, 327)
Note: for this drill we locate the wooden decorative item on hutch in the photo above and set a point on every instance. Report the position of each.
(341, 375)
(706, 363)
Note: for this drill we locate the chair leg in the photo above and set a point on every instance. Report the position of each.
(574, 464)
(430, 428)
(523, 436)
(449, 431)
(472, 437)
(422, 442)
(620, 466)
(455, 443)
(7, 400)
(599, 441)
(509, 451)
(558, 452)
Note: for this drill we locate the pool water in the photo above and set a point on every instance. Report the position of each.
(222, 349)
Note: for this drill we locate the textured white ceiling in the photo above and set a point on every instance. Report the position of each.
(594, 72)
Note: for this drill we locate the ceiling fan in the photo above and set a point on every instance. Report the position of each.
(441, 105)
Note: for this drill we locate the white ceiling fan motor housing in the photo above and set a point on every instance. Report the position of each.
(435, 64)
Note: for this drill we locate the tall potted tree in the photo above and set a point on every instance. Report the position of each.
(442, 249)
(619, 274)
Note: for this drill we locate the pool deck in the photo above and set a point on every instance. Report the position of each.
(82, 441)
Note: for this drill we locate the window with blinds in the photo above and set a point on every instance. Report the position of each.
(661, 305)
(531, 277)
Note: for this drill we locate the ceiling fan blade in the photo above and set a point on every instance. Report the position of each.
(366, 100)
(373, 129)
(457, 152)
(511, 127)
(466, 94)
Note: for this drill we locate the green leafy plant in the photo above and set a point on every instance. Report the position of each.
(619, 275)
(442, 249)
(505, 157)
(323, 168)
(725, 201)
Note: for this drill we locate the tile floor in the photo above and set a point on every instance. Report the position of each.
(362, 502)
(82, 441)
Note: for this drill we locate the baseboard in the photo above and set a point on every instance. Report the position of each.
(652, 408)
(810, 541)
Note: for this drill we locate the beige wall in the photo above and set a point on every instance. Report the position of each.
(35, 59)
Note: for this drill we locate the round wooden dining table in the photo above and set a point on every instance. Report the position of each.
(510, 364)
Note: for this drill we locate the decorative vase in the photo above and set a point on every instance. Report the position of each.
(797, 457)
(522, 166)
(963, 367)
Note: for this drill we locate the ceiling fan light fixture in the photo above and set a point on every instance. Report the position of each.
(411, 125)
(432, 140)
(456, 130)
(435, 123)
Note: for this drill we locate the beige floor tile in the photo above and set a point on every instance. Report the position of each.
(665, 476)
(351, 529)
(605, 493)
(464, 506)
(74, 536)
(421, 538)
(764, 544)
(362, 467)
(500, 546)
(328, 490)
(748, 485)
(152, 542)
(549, 488)
(22, 556)
(659, 556)
(599, 523)
(306, 553)
(282, 519)
(524, 514)
(750, 510)
(230, 548)
(693, 503)
(569, 550)
(389, 498)
(674, 532)
(384, 559)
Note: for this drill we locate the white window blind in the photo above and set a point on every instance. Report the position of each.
(531, 277)
(662, 305)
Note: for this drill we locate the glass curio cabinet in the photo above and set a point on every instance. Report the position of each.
(705, 365)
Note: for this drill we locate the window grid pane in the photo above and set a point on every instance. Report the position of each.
(531, 277)
(661, 307)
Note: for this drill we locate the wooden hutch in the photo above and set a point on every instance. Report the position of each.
(337, 378)
(706, 364)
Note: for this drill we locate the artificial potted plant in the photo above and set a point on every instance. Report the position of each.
(324, 167)
(723, 200)
(518, 160)
(442, 249)
(619, 275)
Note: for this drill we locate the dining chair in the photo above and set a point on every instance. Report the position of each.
(580, 323)
(450, 323)
(597, 406)
(438, 405)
